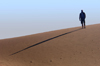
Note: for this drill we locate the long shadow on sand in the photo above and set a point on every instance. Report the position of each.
(44, 41)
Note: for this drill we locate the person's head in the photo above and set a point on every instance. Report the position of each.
(81, 10)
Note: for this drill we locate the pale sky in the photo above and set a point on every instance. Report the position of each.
(25, 17)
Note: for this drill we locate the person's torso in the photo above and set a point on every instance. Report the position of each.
(82, 15)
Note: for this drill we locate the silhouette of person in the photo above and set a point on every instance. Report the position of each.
(82, 17)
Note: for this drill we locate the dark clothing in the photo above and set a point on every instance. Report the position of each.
(83, 21)
(82, 17)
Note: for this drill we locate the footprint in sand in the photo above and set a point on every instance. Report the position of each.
(50, 60)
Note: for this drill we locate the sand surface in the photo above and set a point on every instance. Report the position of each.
(66, 47)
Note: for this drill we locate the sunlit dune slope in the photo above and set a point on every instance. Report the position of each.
(65, 47)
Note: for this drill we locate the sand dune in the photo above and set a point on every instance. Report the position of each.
(66, 47)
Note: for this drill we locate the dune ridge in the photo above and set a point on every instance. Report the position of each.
(66, 47)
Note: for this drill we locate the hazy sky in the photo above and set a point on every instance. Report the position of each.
(24, 17)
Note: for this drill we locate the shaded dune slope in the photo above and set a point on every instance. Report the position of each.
(66, 47)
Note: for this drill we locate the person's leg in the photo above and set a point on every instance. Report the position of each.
(84, 24)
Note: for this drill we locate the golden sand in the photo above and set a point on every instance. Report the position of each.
(66, 47)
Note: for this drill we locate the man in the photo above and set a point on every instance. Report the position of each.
(82, 17)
